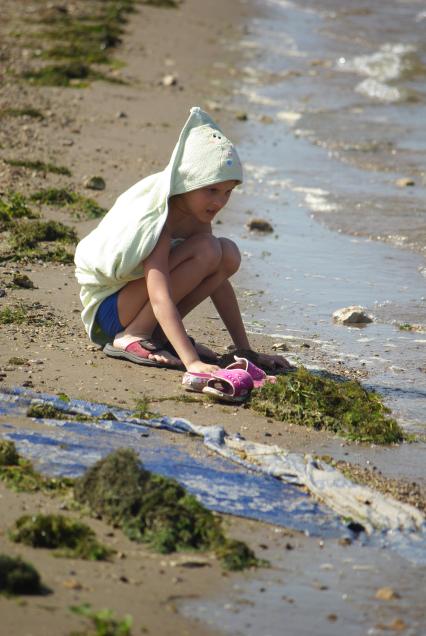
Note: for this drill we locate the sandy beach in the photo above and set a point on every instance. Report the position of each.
(169, 60)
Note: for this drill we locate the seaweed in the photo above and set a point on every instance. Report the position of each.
(22, 281)
(18, 361)
(27, 234)
(13, 315)
(67, 537)
(59, 74)
(155, 510)
(103, 622)
(345, 408)
(19, 474)
(28, 111)
(8, 453)
(18, 577)
(39, 166)
(167, 4)
(14, 206)
(64, 197)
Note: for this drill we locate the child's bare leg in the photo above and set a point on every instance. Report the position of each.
(190, 263)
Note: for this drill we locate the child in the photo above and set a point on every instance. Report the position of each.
(153, 258)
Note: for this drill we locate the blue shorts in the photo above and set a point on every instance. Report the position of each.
(107, 316)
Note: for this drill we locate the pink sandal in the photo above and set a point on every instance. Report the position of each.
(258, 376)
(229, 385)
(195, 381)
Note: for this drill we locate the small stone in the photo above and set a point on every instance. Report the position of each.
(266, 119)
(332, 617)
(353, 315)
(68, 142)
(279, 346)
(404, 182)
(72, 584)
(22, 280)
(94, 183)
(259, 225)
(169, 80)
(386, 594)
(241, 115)
(2, 293)
(121, 114)
(345, 541)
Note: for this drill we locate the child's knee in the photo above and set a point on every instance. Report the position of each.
(231, 256)
(209, 251)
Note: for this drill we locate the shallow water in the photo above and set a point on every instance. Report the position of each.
(331, 150)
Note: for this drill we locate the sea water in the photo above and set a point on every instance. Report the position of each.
(335, 97)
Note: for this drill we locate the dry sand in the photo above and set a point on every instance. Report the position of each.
(123, 133)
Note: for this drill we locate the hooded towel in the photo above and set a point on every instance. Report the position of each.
(112, 254)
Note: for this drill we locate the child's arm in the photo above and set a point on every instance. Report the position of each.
(156, 271)
(226, 303)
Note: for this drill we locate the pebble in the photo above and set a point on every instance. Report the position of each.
(121, 114)
(353, 315)
(404, 182)
(386, 594)
(169, 80)
(279, 346)
(260, 225)
(72, 584)
(241, 115)
(94, 183)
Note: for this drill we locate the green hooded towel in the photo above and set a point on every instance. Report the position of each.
(112, 254)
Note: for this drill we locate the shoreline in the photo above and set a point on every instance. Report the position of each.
(124, 133)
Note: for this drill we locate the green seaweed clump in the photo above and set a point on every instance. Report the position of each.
(345, 408)
(103, 622)
(13, 206)
(19, 474)
(63, 197)
(48, 411)
(13, 315)
(18, 577)
(28, 111)
(155, 510)
(40, 166)
(8, 453)
(69, 538)
(28, 234)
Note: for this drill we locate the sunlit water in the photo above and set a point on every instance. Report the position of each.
(336, 115)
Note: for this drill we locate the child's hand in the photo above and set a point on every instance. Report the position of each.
(273, 361)
(202, 367)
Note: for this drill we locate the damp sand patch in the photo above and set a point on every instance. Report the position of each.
(344, 408)
(67, 537)
(156, 510)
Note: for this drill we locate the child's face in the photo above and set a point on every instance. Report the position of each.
(204, 203)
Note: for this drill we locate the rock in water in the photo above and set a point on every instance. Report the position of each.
(353, 315)
(259, 225)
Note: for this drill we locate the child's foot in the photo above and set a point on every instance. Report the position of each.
(142, 351)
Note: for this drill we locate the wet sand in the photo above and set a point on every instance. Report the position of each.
(123, 133)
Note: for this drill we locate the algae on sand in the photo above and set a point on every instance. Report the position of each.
(345, 408)
(18, 577)
(69, 538)
(19, 474)
(61, 197)
(156, 510)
